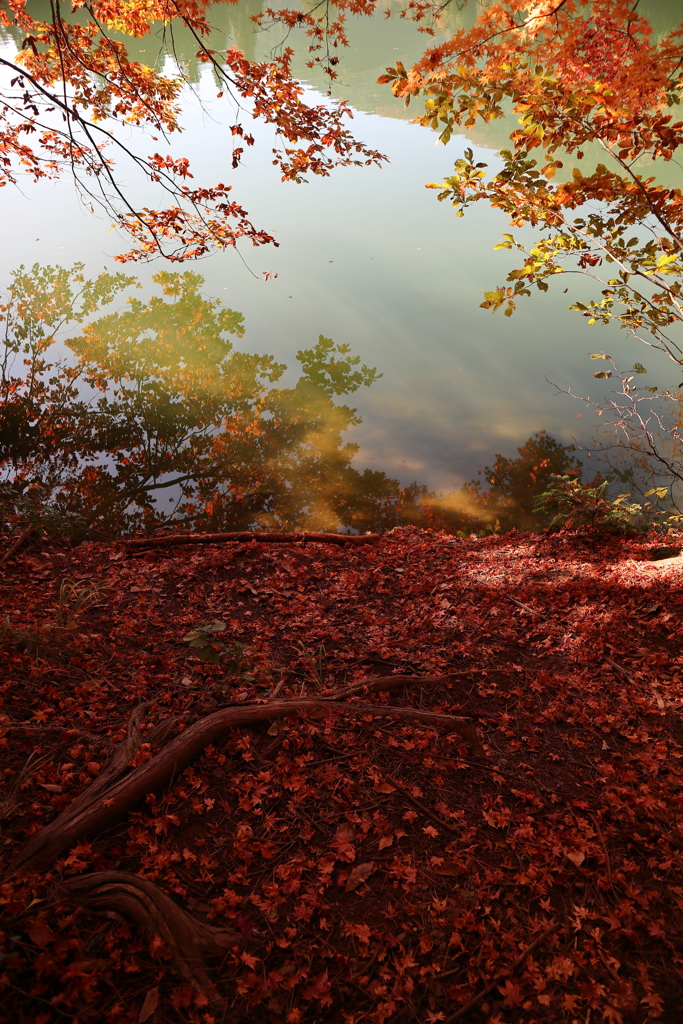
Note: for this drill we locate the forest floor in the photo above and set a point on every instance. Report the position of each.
(367, 866)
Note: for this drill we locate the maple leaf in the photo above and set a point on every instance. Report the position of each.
(39, 931)
(612, 1015)
(512, 992)
(361, 931)
(341, 843)
(318, 988)
(654, 1003)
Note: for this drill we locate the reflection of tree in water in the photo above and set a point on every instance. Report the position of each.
(154, 400)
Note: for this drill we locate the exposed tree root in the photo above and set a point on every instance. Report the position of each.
(114, 794)
(249, 535)
(119, 789)
(121, 895)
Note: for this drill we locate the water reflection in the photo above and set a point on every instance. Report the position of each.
(151, 417)
(154, 399)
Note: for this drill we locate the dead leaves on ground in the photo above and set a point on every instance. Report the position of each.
(359, 899)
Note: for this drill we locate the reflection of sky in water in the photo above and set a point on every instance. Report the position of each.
(369, 257)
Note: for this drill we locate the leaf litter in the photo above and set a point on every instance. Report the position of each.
(363, 866)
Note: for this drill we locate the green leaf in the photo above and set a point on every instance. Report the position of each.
(208, 653)
(639, 368)
(213, 627)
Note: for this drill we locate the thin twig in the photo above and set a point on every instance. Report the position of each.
(604, 847)
(615, 665)
(606, 963)
(528, 608)
(503, 974)
(420, 806)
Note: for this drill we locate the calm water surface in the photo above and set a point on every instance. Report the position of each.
(368, 257)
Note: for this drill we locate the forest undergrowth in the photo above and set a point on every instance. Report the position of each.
(422, 779)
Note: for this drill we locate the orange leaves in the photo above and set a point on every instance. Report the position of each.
(77, 80)
(319, 989)
(496, 814)
(511, 992)
(362, 932)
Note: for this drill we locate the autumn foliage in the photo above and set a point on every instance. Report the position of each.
(396, 778)
(72, 84)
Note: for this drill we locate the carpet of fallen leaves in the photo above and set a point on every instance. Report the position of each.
(359, 900)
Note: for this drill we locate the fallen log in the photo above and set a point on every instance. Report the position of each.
(249, 535)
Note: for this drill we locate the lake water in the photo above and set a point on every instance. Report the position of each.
(368, 257)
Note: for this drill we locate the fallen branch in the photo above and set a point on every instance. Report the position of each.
(499, 977)
(249, 535)
(23, 536)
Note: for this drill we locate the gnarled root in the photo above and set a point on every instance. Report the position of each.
(118, 894)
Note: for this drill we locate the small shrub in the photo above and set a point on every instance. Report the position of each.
(569, 504)
(33, 508)
(212, 649)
